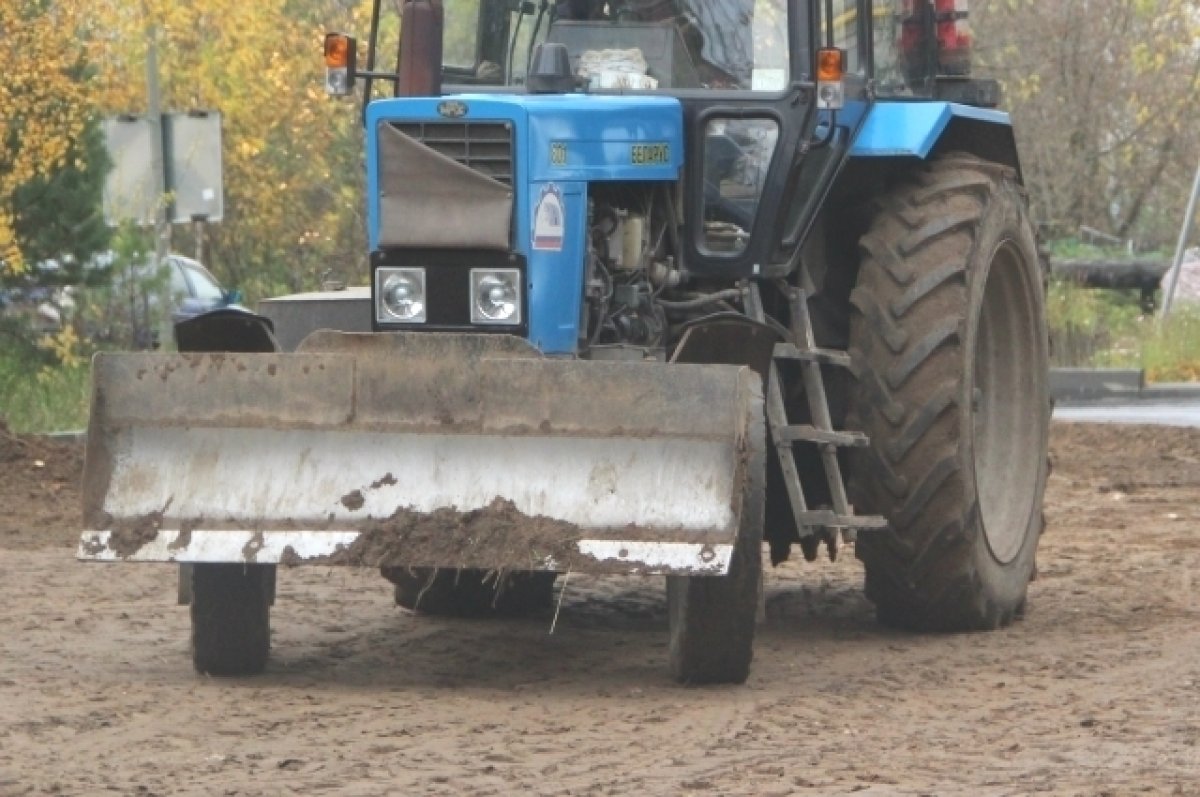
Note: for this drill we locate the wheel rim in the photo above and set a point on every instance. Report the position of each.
(1006, 406)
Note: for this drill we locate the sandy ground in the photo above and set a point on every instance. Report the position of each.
(1096, 691)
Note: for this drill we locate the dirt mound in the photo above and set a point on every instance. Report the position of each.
(497, 536)
(39, 491)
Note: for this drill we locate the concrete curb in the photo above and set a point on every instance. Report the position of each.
(1172, 391)
(1090, 385)
(78, 436)
(1083, 384)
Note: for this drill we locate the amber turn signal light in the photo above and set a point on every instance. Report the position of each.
(337, 50)
(340, 54)
(830, 64)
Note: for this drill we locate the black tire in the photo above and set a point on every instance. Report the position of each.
(471, 593)
(231, 618)
(949, 349)
(711, 619)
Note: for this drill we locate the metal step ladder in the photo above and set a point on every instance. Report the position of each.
(830, 524)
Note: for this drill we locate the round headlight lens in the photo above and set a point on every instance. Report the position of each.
(404, 297)
(496, 298)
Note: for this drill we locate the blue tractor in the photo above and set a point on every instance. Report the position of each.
(653, 283)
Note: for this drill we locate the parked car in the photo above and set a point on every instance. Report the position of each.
(131, 318)
(194, 290)
(121, 311)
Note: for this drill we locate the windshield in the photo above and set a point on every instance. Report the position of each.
(624, 44)
(203, 285)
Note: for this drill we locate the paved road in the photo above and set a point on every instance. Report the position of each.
(1162, 413)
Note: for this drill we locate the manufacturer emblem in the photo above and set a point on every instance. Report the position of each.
(656, 154)
(558, 153)
(452, 109)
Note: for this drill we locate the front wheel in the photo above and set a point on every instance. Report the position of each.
(711, 619)
(231, 618)
(949, 350)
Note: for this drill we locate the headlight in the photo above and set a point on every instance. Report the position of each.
(495, 296)
(400, 295)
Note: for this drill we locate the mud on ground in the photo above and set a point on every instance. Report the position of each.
(1096, 691)
(39, 491)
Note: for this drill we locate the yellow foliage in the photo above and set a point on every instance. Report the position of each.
(258, 63)
(1177, 372)
(66, 346)
(45, 102)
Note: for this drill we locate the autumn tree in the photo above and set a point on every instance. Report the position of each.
(1103, 96)
(45, 108)
(59, 213)
(293, 174)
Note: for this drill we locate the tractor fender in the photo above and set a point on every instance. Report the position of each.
(923, 129)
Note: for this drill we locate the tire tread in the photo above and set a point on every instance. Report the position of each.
(908, 328)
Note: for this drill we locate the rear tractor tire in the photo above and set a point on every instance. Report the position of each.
(231, 618)
(711, 619)
(949, 349)
(471, 593)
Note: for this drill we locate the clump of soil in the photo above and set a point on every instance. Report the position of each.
(496, 537)
(39, 491)
(386, 480)
(128, 537)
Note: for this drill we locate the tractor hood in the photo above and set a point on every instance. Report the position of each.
(458, 171)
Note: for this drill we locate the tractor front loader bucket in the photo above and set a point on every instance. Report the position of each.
(417, 450)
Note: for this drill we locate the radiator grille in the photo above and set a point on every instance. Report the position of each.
(485, 147)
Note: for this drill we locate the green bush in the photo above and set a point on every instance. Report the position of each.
(1173, 353)
(38, 394)
(1092, 328)
(1075, 249)
(1095, 328)
(128, 309)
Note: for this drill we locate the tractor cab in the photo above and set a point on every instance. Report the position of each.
(771, 93)
(672, 45)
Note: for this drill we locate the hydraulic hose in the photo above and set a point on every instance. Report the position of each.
(701, 301)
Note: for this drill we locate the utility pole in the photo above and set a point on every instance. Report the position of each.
(162, 227)
(198, 221)
(162, 222)
(1185, 232)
